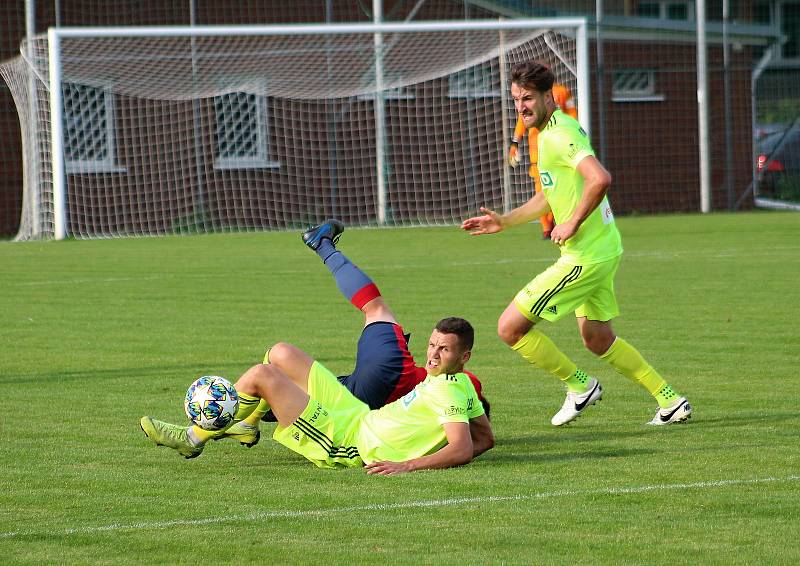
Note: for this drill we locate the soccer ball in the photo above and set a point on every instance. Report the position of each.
(211, 402)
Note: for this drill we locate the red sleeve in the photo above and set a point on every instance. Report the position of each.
(476, 383)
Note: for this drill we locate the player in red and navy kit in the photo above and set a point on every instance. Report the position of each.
(385, 369)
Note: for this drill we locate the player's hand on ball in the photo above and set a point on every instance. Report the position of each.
(489, 223)
(513, 154)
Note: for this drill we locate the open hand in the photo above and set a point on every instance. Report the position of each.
(489, 223)
(386, 468)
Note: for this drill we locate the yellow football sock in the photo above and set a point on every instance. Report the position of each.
(257, 413)
(539, 350)
(629, 362)
(247, 405)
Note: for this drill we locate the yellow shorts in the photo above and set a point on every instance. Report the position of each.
(564, 287)
(325, 432)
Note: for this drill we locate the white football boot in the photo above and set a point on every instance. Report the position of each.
(576, 403)
(678, 412)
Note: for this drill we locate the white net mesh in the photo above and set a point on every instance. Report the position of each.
(168, 135)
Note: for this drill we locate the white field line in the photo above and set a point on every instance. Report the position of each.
(454, 502)
(714, 254)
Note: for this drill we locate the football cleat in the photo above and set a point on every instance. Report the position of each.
(576, 403)
(330, 229)
(246, 434)
(678, 412)
(171, 436)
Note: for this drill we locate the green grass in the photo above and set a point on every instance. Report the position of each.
(95, 334)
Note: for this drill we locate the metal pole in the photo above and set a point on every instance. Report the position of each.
(702, 109)
(501, 61)
(31, 186)
(380, 116)
(601, 89)
(584, 89)
(57, 136)
(199, 207)
(726, 77)
(333, 125)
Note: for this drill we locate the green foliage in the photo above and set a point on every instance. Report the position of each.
(780, 111)
(96, 334)
(788, 188)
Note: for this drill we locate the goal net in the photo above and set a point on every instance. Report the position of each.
(147, 131)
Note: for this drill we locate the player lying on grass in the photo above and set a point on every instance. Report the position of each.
(439, 422)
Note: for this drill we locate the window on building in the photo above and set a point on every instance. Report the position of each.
(666, 10)
(242, 132)
(476, 82)
(88, 123)
(785, 15)
(635, 85)
(790, 26)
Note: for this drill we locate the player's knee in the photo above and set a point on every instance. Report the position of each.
(508, 333)
(279, 354)
(248, 382)
(598, 343)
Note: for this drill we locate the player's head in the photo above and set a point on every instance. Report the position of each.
(531, 89)
(450, 346)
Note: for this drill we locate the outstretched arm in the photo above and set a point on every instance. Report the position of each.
(456, 452)
(491, 222)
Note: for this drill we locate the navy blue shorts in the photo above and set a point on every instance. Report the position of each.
(384, 365)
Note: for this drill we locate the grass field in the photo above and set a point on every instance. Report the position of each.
(96, 334)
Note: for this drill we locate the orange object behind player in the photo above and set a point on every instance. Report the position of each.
(563, 98)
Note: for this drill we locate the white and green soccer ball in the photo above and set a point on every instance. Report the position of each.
(211, 402)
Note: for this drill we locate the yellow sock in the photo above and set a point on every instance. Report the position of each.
(629, 362)
(247, 404)
(257, 413)
(539, 350)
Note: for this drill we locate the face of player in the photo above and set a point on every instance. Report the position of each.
(445, 354)
(535, 107)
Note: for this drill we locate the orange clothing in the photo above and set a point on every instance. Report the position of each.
(563, 98)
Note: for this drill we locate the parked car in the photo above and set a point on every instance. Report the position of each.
(778, 164)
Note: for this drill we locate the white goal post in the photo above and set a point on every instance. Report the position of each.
(165, 130)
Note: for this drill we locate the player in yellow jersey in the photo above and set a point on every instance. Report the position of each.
(439, 423)
(563, 99)
(574, 186)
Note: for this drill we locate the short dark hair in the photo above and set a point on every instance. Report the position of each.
(533, 74)
(460, 327)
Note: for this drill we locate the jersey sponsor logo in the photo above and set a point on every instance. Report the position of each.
(452, 410)
(547, 180)
(573, 150)
(470, 403)
(408, 398)
(605, 210)
(552, 309)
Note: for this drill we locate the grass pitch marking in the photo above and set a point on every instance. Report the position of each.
(394, 506)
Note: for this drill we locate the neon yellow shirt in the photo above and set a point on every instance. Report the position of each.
(411, 427)
(562, 145)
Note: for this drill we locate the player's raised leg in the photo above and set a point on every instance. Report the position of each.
(356, 286)
(520, 333)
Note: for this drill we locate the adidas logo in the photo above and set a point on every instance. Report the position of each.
(552, 309)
